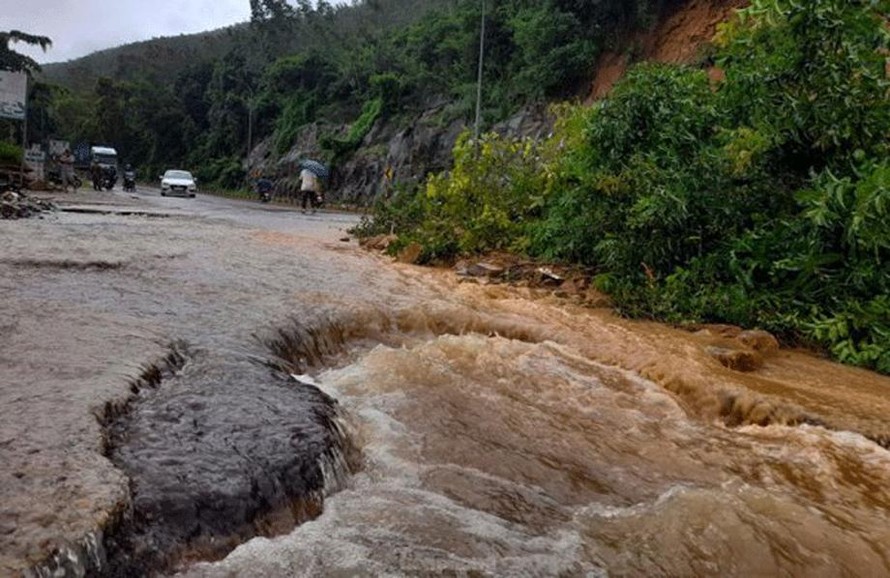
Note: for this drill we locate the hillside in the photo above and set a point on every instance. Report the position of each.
(157, 59)
(379, 86)
(162, 59)
(410, 150)
(681, 36)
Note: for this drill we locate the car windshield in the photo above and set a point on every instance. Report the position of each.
(105, 159)
(178, 175)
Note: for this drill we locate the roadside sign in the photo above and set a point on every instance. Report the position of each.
(57, 147)
(13, 94)
(35, 155)
(35, 159)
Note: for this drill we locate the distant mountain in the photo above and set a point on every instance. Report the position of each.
(159, 59)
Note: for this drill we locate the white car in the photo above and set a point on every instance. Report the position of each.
(176, 182)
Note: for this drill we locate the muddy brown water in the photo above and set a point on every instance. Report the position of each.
(497, 431)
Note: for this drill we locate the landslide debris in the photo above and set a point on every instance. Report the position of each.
(20, 206)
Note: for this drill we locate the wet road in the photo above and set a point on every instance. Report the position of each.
(500, 431)
(95, 293)
(269, 216)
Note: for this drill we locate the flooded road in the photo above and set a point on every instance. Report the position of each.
(427, 427)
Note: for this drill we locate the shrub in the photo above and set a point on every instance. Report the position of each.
(298, 111)
(10, 154)
(360, 128)
(645, 187)
(496, 188)
(225, 172)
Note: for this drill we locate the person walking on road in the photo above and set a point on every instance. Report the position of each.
(96, 175)
(309, 189)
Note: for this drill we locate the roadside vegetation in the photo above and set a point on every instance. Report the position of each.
(760, 200)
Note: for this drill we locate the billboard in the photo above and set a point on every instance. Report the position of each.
(13, 94)
(57, 147)
(35, 159)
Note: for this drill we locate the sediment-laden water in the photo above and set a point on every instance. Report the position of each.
(475, 430)
(496, 443)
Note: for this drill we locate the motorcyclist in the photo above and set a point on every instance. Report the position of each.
(264, 189)
(129, 177)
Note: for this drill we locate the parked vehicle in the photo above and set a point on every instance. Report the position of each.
(54, 176)
(178, 182)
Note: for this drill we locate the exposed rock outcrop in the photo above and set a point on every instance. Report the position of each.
(393, 152)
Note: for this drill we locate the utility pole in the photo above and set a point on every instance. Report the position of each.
(479, 80)
(249, 127)
(250, 106)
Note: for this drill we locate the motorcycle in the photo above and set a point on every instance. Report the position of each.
(264, 190)
(54, 176)
(129, 181)
(108, 178)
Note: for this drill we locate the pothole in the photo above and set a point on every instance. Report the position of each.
(64, 264)
(115, 212)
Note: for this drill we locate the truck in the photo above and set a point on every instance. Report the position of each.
(105, 158)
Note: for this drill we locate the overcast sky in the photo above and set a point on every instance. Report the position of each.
(78, 27)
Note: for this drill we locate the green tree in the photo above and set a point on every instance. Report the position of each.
(553, 54)
(43, 123)
(14, 61)
(110, 112)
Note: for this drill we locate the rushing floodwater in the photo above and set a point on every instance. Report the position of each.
(509, 450)
(498, 432)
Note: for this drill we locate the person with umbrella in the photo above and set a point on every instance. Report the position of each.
(310, 174)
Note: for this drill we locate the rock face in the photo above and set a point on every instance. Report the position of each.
(394, 153)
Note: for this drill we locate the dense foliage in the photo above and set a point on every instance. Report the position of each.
(761, 200)
(201, 101)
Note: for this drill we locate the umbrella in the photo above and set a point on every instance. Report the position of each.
(315, 167)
